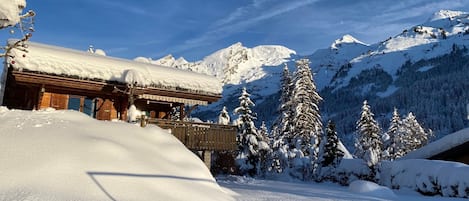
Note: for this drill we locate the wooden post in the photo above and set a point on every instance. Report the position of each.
(42, 90)
(143, 122)
(181, 112)
(82, 103)
(123, 107)
(207, 156)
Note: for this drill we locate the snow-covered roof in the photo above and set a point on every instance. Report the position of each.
(85, 65)
(444, 144)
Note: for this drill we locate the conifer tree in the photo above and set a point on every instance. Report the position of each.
(332, 154)
(282, 125)
(263, 133)
(304, 139)
(264, 151)
(368, 143)
(390, 145)
(417, 135)
(248, 139)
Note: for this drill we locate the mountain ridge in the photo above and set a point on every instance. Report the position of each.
(350, 71)
(234, 64)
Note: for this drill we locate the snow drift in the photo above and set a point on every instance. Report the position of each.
(370, 188)
(66, 155)
(431, 177)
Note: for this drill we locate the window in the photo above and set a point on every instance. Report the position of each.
(82, 104)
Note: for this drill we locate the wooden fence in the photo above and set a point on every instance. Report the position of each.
(200, 136)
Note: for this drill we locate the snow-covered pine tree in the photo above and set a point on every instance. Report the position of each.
(331, 154)
(417, 135)
(285, 108)
(306, 134)
(224, 117)
(282, 125)
(391, 139)
(264, 150)
(368, 143)
(263, 133)
(248, 139)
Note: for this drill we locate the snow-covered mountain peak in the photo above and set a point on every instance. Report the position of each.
(237, 63)
(236, 45)
(167, 60)
(181, 60)
(443, 14)
(168, 57)
(346, 39)
(234, 64)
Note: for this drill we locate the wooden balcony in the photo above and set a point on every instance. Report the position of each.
(200, 136)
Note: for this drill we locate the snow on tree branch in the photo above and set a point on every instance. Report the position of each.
(11, 16)
(10, 12)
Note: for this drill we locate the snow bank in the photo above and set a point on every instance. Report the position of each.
(66, 155)
(350, 170)
(10, 11)
(85, 65)
(449, 179)
(371, 189)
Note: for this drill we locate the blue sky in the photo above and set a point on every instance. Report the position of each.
(195, 28)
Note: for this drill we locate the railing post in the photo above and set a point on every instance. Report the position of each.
(207, 156)
(143, 122)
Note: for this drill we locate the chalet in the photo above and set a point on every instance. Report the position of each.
(48, 76)
(452, 147)
(42, 76)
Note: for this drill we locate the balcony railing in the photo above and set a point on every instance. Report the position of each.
(200, 136)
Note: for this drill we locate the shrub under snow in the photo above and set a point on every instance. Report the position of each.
(350, 170)
(430, 177)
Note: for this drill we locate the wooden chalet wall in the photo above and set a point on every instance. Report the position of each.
(20, 96)
(28, 91)
(105, 108)
(32, 90)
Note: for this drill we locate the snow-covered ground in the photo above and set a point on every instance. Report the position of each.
(66, 155)
(258, 190)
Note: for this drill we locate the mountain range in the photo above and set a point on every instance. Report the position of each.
(424, 70)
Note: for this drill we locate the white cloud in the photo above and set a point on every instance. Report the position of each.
(318, 20)
(128, 7)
